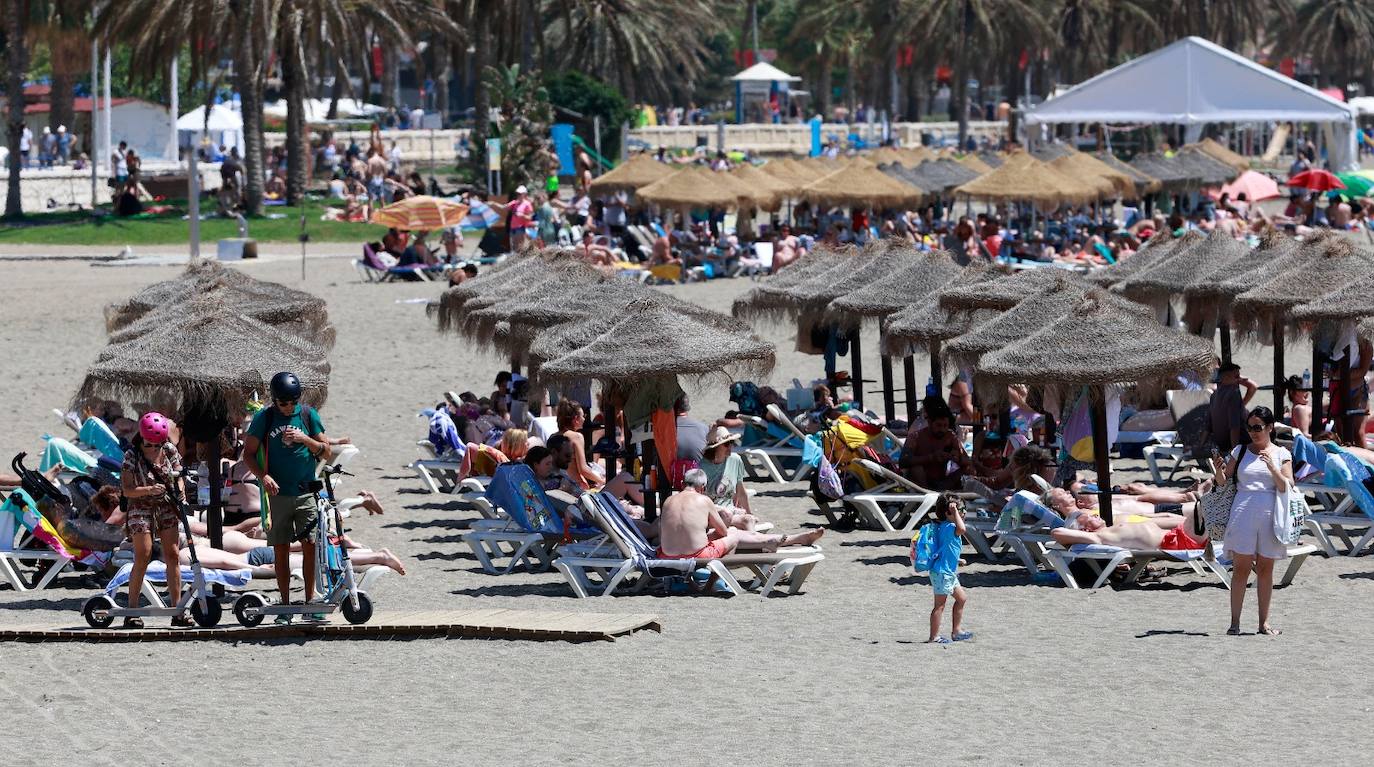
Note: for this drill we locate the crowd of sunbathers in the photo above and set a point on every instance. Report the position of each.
(126, 494)
(709, 517)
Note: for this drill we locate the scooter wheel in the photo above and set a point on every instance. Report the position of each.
(361, 615)
(248, 609)
(96, 611)
(209, 617)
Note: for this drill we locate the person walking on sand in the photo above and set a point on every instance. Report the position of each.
(944, 571)
(293, 440)
(1260, 519)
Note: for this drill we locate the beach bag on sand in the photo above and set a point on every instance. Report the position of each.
(923, 549)
(1214, 509)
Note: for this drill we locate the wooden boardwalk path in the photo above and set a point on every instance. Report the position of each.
(538, 625)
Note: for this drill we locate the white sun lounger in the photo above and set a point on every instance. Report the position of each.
(17, 546)
(764, 461)
(631, 554)
(1340, 518)
(1105, 560)
(895, 506)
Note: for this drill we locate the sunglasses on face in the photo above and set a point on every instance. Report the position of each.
(1254, 427)
(286, 401)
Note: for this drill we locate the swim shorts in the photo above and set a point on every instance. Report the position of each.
(1178, 539)
(262, 555)
(944, 583)
(713, 550)
(293, 518)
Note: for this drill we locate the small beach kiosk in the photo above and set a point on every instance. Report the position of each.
(758, 86)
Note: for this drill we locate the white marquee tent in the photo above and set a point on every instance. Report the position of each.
(225, 126)
(1193, 82)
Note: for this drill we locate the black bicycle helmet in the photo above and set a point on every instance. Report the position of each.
(286, 386)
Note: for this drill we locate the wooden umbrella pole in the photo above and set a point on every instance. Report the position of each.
(1278, 368)
(889, 406)
(912, 406)
(1225, 328)
(610, 439)
(647, 460)
(1340, 401)
(1318, 362)
(1101, 458)
(857, 384)
(936, 374)
(214, 515)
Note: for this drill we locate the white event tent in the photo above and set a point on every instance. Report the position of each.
(1193, 82)
(225, 126)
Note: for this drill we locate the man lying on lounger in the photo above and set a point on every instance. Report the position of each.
(1138, 528)
(691, 527)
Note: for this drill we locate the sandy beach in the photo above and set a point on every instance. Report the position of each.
(837, 675)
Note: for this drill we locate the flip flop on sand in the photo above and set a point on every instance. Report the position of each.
(1268, 631)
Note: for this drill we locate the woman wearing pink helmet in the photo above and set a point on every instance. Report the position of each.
(150, 469)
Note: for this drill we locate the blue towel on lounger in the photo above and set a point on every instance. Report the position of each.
(157, 573)
(1307, 451)
(97, 435)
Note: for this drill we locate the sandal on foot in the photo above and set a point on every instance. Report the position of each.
(1269, 631)
(133, 623)
(182, 622)
(1234, 631)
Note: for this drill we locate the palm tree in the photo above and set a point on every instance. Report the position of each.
(1229, 23)
(306, 28)
(17, 60)
(157, 30)
(1082, 24)
(648, 48)
(62, 30)
(1337, 34)
(981, 24)
(823, 32)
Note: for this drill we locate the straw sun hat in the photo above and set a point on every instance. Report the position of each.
(719, 436)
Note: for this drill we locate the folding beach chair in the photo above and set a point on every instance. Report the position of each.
(784, 445)
(1189, 410)
(532, 526)
(631, 554)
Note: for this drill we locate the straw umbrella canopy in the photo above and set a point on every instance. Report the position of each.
(1350, 302)
(909, 282)
(1172, 174)
(1144, 183)
(1024, 178)
(1219, 152)
(1034, 311)
(1088, 176)
(1333, 263)
(915, 155)
(1051, 151)
(1155, 250)
(1212, 171)
(421, 213)
(1085, 165)
(927, 323)
(1226, 281)
(274, 302)
(789, 171)
(795, 299)
(1006, 291)
(502, 281)
(651, 341)
(479, 324)
(872, 265)
(1174, 271)
(755, 178)
(214, 357)
(284, 316)
(859, 186)
(597, 316)
(630, 176)
(772, 294)
(697, 187)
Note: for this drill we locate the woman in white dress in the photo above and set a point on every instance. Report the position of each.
(1259, 517)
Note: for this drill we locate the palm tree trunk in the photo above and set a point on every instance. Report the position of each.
(388, 65)
(481, 100)
(443, 65)
(529, 17)
(249, 85)
(336, 93)
(294, 82)
(826, 78)
(961, 72)
(17, 61)
(1013, 91)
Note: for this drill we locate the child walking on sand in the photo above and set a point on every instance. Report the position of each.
(944, 570)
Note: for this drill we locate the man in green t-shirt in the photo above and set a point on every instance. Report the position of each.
(294, 440)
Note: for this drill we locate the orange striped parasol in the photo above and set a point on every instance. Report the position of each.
(421, 214)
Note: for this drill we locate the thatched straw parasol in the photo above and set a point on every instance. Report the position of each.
(504, 280)
(275, 303)
(790, 172)
(860, 186)
(630, 176)
(1172, 174)
(1026, 179)
(697, 187)
(479, 324)
(752, 177)
(284, 316)
(1097, 344)
(927, 323)
(1089, 177)
(915, 155)
(1157, 249)
(1349, 302)
(650, 340)
(1171, 274)
(1034, 311)
(1212, 171)
(1331, 263)
(1086, 166)
(773, 293)
(910, 281)
(1144, 183)
(806, 298)
(217, 357)
(1227, 281)
(1219, 152)
(1007, 291)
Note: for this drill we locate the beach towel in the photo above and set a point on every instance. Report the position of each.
(1344, 471)
(443, 435)
(1078, 429)
(97, 435)
(157, 573)
(515, 490)
(1182, 555)
(1025, 504)
(1305, 451)
(69, 456)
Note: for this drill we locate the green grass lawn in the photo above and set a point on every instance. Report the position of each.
(80, 228)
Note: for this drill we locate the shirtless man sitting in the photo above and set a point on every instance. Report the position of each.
(690, 527)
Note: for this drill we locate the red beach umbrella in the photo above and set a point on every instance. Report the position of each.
(1317, 180)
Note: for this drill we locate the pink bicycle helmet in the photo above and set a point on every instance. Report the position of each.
(154, 428)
